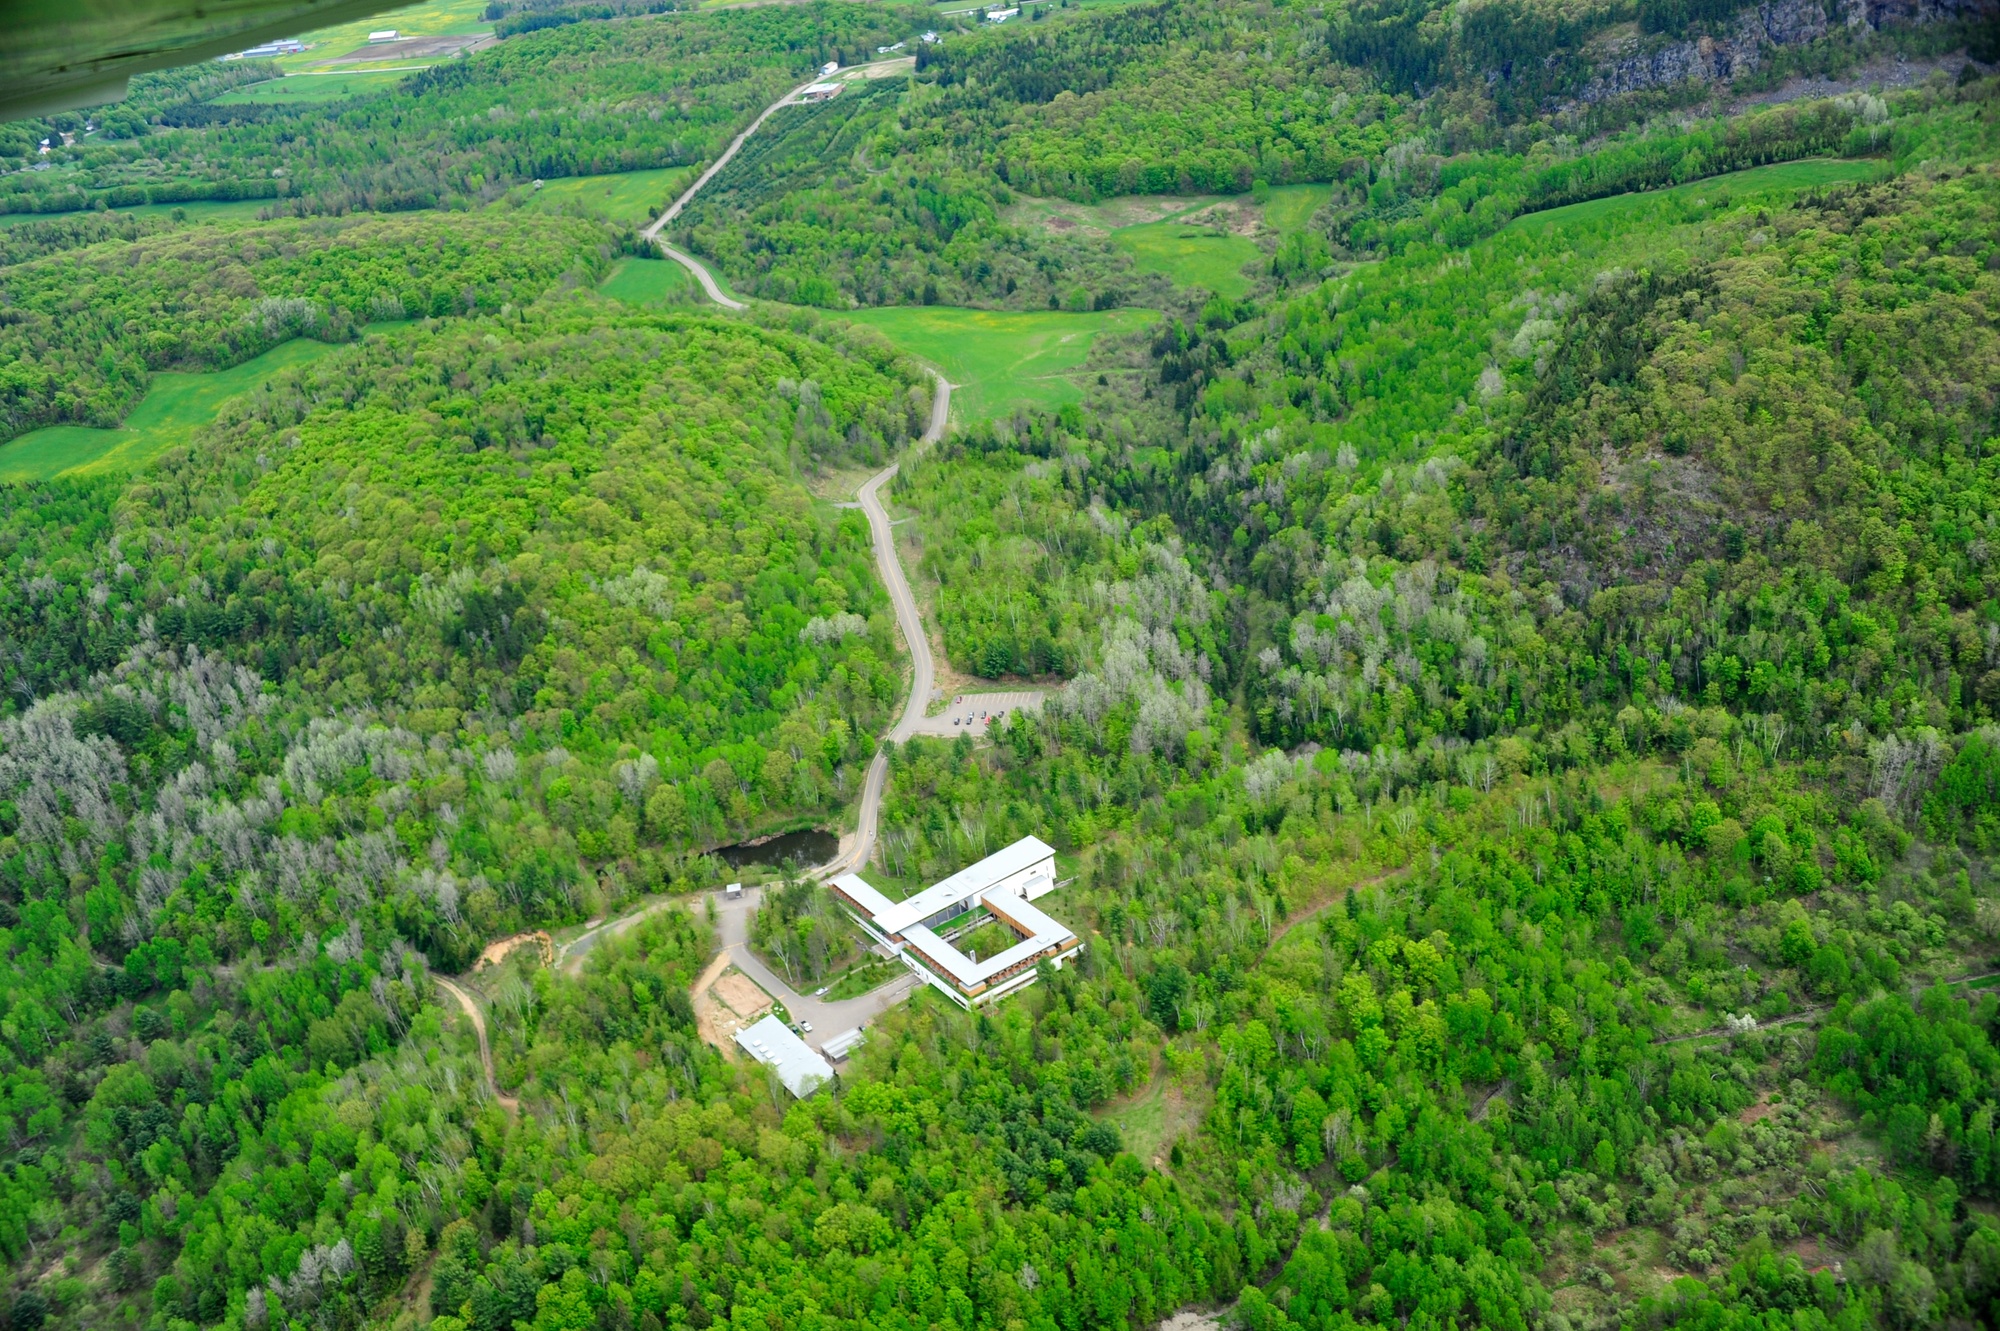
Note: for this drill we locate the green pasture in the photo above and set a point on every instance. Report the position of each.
(1290, 207)
(997, 358)
(1781, 177)
(200, 210)
(171, 411)
(647, 282)
(301, 89)
(1192, 256)
(629, 196)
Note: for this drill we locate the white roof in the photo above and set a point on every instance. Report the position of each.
(771, 1042)
(1043, 934)
(861, 894)
(967, 882)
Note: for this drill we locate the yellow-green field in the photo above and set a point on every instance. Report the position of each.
(997, 358)
(631, 196)
(1779, 178)
(434, 18)
(647, 282)
(171, 412)
(299, 88)
(1191, 255)
(1291, 206)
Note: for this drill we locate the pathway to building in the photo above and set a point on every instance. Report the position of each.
(827, 1017)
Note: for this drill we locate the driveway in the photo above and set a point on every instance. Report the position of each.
(828, 1018)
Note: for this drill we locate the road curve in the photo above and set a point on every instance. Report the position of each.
(508, 1102)
(923, 671)
(688, 261)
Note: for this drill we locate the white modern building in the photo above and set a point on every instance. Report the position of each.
(384, 36)
(1004, 886)
(772, 1043)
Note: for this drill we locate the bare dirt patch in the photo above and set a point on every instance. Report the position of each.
(742, 996)
(495, 953)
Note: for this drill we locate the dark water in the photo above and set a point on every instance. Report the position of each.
(803, 849)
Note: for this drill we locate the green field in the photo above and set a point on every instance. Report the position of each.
(230, 210)
(435, 18)
(177, 405)
(647, 282)
(1292, 206)
(631, 196)
(995, 358)
(1779, 178)
(298, 89)
(1192, 256)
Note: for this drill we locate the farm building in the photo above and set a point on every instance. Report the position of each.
(820, 92)
(1001, 887)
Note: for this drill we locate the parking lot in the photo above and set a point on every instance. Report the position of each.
(977, 711)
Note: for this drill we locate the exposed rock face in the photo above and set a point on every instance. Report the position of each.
(1643, 62)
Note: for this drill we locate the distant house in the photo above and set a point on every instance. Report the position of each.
(386, 35)
(821, 92)
(928, 39)
(1000, 15)
(830, 67)
(283, 46)
(884, 50)
(772, 1043)
(1001, 886)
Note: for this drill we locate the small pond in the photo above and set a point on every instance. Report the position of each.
(802, 849)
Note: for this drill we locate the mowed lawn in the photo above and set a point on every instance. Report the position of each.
(646, 282)
(631, 196)
(176, 406)
(1782, 177)
(995, 358)
(1192, 256)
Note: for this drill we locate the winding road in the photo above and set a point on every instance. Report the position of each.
(732, 917)
(511, 1104)
(688, 261)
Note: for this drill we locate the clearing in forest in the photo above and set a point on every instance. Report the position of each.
(1781, 178)
(644, 282)
(997, 359)
(634, 197)
(172, 410)
(302, 88)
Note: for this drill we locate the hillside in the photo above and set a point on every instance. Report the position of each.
(1496, 500)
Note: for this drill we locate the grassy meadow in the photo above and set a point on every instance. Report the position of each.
(171, 412)
(997, 359)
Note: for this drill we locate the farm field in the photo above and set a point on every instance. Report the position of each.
(999, 359)
(177, 406)
(435, 19)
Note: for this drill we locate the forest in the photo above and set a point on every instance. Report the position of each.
(1521, 731)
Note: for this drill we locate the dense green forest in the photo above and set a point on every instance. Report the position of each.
(1523, 742)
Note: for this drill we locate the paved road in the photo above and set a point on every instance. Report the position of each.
(828, 1018)
(688, 261)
